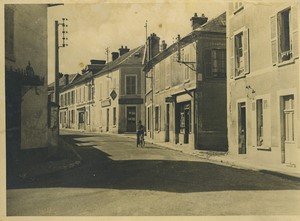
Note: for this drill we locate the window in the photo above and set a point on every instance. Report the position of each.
(69, 98)
(61, 100)
(93, 92)
(240, 58)
(73, 97)
(168, 73)
(185, 118)
(215, 63)
(284, 35)
(187, 68)
(157, 118)
(288, 116)
(77, 96)
(81, 117)
(130, 84)
(237, 6)
(259, 122)
(218, 58)
(72, 116)
(9, 33)
(66, 97)
(114, 116)
(157, 78)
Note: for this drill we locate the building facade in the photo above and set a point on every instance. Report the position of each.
(119, 93)
(263, 82)
(110, 99)
(186, 87)
(26, 64)
(76, 98)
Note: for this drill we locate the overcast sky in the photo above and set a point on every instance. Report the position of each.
(94, 27)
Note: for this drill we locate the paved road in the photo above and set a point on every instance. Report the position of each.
(116, 178)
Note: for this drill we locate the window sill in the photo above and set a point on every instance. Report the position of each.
(240, 76)
(291, 61)
(237, 10)
(264, 148)
(290, 142)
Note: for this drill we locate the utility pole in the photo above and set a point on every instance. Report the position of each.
(57, 46)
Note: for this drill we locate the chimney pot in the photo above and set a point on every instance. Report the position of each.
(198, 21)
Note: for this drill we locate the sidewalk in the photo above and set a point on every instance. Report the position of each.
(223, 158)
(42, 161)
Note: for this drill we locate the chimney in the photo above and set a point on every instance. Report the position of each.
(163, 45)
(198, 21)
(152, 46)
(123, 50)
(66, 79)
(114, 55)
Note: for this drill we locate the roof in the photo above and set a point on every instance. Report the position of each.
(125, 58)
(215, 26)
(62, 80)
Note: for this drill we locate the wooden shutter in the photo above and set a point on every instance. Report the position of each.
(232, 60)
(294, 28)
(274, 45)
(246, 50)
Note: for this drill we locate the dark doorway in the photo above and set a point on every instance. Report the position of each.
(107, 119)
(242, 128)
(131, 119)
(186, 123)
(167, 138)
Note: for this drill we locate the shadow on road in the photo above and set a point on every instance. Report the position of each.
(98, 170)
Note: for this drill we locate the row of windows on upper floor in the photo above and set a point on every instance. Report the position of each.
(284, 43)
(87, 93)
(171, 72)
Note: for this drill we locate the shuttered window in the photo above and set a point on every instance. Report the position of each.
(240, 58)
(284, 35)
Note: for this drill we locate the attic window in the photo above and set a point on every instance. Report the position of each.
(137, 54)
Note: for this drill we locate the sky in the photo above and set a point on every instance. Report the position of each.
(93, 27)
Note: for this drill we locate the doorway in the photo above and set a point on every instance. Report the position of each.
(167, 138)
(107, 119)
(131, 119)
(242, 128)
(287, 129)
(186, 123)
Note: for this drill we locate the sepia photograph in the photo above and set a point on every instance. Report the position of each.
(150, 109)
